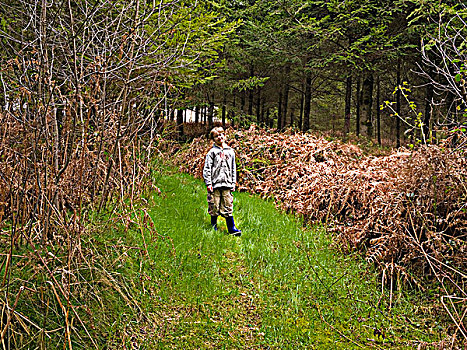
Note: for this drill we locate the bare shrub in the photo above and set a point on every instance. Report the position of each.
(83, 84)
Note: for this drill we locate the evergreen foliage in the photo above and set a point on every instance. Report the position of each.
(330, 64)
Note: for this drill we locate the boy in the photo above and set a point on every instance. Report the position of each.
(220, 176)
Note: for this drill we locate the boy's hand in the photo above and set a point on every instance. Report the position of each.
(210, 188)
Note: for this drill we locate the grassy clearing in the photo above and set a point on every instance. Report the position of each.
(277, 286)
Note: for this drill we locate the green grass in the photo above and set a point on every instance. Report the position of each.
(276, 286)
(157, 276)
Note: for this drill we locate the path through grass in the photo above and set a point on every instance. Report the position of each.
(278, 286)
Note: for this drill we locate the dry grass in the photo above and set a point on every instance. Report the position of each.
(49, 183)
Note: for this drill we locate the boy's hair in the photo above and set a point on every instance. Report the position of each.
(217, 130)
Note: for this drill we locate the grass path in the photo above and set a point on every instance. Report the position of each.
(277, 286)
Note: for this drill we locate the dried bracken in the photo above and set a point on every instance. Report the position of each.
(406, 211)
(47, 186)
(82, 86)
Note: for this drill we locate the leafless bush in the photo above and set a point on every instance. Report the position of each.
(83, 84)
(444, 62)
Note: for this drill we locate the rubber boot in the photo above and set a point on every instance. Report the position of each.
(214, 222)
(231, 226)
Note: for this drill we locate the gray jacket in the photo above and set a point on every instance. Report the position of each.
(219, 168)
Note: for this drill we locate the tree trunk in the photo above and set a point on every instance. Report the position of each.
(211, 114)
(242, 101)
(307, 105)
(367, 103)
(258, 106)
(180, 123)
(250, 102)
(224, 103)
(279, 109)
(300, 116)
(250, 95)
(197, 114)
(348, 101)
(398, 105)
(269, 119)
(262, 120)
(232, 114)
(357, 117)
(378, 109)
(286, 96)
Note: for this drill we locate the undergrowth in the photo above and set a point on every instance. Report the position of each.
(278, 286)
(157, 276)
(404, 211)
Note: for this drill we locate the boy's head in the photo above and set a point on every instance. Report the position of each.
(217, 134)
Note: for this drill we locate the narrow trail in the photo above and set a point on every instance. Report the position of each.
(277, 286)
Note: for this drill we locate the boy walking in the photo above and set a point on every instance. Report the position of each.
(220, 176)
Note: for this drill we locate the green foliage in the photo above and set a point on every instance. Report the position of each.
(249, 83)
(327, 40)
(414, 120)
(199, 32)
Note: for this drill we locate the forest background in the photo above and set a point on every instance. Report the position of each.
(88, 88)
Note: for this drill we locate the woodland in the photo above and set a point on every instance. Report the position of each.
(348, 114)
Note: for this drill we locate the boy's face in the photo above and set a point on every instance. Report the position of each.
(219, 138)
